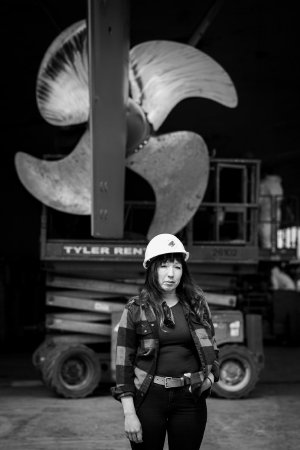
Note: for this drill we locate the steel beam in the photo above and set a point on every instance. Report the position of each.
(108, 42)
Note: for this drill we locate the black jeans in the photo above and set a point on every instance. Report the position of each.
(174, 411)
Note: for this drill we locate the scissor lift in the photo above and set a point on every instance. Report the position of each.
(89, 280)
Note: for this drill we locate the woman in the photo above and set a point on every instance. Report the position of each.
(167, 358)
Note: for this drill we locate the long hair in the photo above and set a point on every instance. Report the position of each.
(187, 291)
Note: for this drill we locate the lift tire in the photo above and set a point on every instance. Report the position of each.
(72, 371)
(238, 372)
(39, 355)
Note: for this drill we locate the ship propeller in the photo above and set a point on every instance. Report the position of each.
(161, 74)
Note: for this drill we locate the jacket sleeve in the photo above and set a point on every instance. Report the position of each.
(215, 370)
(125, 356)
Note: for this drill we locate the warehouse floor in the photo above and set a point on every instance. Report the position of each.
(32, 417)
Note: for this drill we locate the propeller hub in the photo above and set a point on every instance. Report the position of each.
(138, 128)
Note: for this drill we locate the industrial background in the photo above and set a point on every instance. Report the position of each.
(255, 41)
(256, 307)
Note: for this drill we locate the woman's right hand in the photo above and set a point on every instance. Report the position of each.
(133, 428)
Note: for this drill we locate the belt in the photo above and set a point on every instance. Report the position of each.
(170, 382)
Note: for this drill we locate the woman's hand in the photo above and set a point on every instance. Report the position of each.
(207, 383)
(133, 428)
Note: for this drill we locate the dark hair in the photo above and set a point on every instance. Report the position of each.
(187, 291)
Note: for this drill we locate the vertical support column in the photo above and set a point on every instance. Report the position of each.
(108, 42)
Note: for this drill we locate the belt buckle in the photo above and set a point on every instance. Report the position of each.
(166, 382)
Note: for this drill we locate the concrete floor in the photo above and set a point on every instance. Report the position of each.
(32, 417)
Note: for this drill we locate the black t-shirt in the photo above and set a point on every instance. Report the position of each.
(177, 353)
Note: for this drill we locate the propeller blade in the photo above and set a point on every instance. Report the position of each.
(62, 86)
(64, 184)
(62, 90)
(162, 73)
(177, 167)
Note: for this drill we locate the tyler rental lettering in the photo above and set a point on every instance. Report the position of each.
(97, 250)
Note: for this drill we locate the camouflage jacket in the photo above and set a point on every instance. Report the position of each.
(138, 347)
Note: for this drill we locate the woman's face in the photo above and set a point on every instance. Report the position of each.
(169, 275)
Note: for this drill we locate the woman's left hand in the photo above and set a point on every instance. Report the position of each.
(207, 383)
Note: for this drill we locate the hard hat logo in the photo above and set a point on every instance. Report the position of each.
(163, 244)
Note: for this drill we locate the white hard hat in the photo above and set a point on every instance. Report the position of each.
(162, 244)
